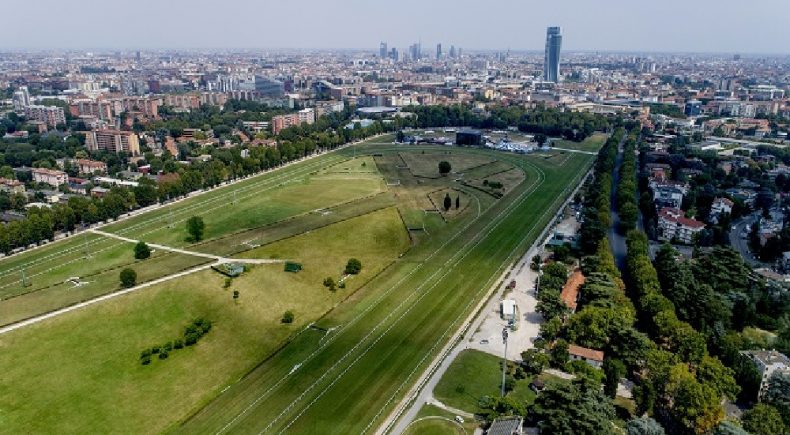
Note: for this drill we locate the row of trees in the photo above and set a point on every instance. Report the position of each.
(627, 207)
(541, 120)
(678, 382)
(596, 214)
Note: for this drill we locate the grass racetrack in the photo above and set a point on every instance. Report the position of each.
(349, 356)
(350, 381)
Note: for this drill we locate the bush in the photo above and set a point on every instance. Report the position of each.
(190, 339)
(128, 278)
(145, 353)
(288, 317)
(168, 347)
(353, 266)
(178, 344)
(145, 360)
(141, 251)
(155, 350)
(163, 355)
(445, 167)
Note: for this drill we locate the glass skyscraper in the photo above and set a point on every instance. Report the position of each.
(551, 61)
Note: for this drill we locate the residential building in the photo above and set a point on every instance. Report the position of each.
(590, 356)
(768, 362)
(113, 140)
(673, 225)
(282, 122)
(506, 426)
(21, 99)
(51, 115)
(720, 207)
(306, 116)
(85, 166)
(11, 186)
(49, 176)
(551, 61)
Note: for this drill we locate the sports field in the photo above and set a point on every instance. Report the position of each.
(349, 355)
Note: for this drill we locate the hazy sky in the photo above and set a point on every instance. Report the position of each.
(756, 26)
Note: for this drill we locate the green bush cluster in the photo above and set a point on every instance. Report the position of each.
(192, 334)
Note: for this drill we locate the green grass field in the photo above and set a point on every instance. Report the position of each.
(388, 334)
(592, 143)
(251, 373)
(435, 426)
(472, 375)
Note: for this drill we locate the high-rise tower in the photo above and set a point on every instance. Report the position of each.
(551, 61)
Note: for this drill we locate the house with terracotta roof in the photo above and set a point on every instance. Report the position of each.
(674, 225)
(590, 356)
(570, 292)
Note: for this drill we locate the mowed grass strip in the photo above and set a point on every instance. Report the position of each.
(80, 373)
(592, 143)
(352, 382)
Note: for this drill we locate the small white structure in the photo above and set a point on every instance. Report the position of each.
(508, 309)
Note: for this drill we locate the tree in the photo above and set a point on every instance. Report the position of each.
(614, 370)
(729, 428)
(329, 282)
(128, 277)
(195, 228)
(447, 202)
(763, 420)
(778, 394)
(353, 267)
(541, 139)
(559, 353)
(573, 408)
(288, 317)
(534, 361)
(444, 167)
(644, 426)
(141, 251)
(235, 295)
(457, 202)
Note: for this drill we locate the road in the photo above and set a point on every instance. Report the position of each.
(742, 244)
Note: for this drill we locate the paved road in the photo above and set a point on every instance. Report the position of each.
(589, 153)
(742, 245)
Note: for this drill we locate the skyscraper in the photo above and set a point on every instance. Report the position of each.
(438, 51)
(383, 50)
(551, 61)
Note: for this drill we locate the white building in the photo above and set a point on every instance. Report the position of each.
(508, 309)
(720, 207)
(590, 356)
(673, 225)
(48, 176)
(767, 363)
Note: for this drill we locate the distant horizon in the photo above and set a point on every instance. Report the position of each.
(372, 50)
(669, 26)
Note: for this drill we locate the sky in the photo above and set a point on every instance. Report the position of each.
(723, 26)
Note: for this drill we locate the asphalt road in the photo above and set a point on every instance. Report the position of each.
(742, 244)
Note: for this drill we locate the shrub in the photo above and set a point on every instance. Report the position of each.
(163, 355)
(145, 360)
(353, 266)
(155, 350)
(190, 339)
(128, 277)
(141, 251)
(445, 167)
(168, 347)
(145, 353)
(178, 344)
(288, 317)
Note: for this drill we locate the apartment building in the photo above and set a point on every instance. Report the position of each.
(49, 176)
(51, 115)
(673, 225)
(113, 140)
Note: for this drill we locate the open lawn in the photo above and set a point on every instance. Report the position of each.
(435, 426)
(80, 373)
(427, 165)
(385, 334)
(592, 143)
(475, 374)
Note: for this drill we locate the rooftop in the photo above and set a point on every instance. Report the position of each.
(590, 354)
(505, 426)
(570, 292)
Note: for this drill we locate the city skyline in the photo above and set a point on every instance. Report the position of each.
(620, 27)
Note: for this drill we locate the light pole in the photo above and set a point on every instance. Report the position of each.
(504, 359)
